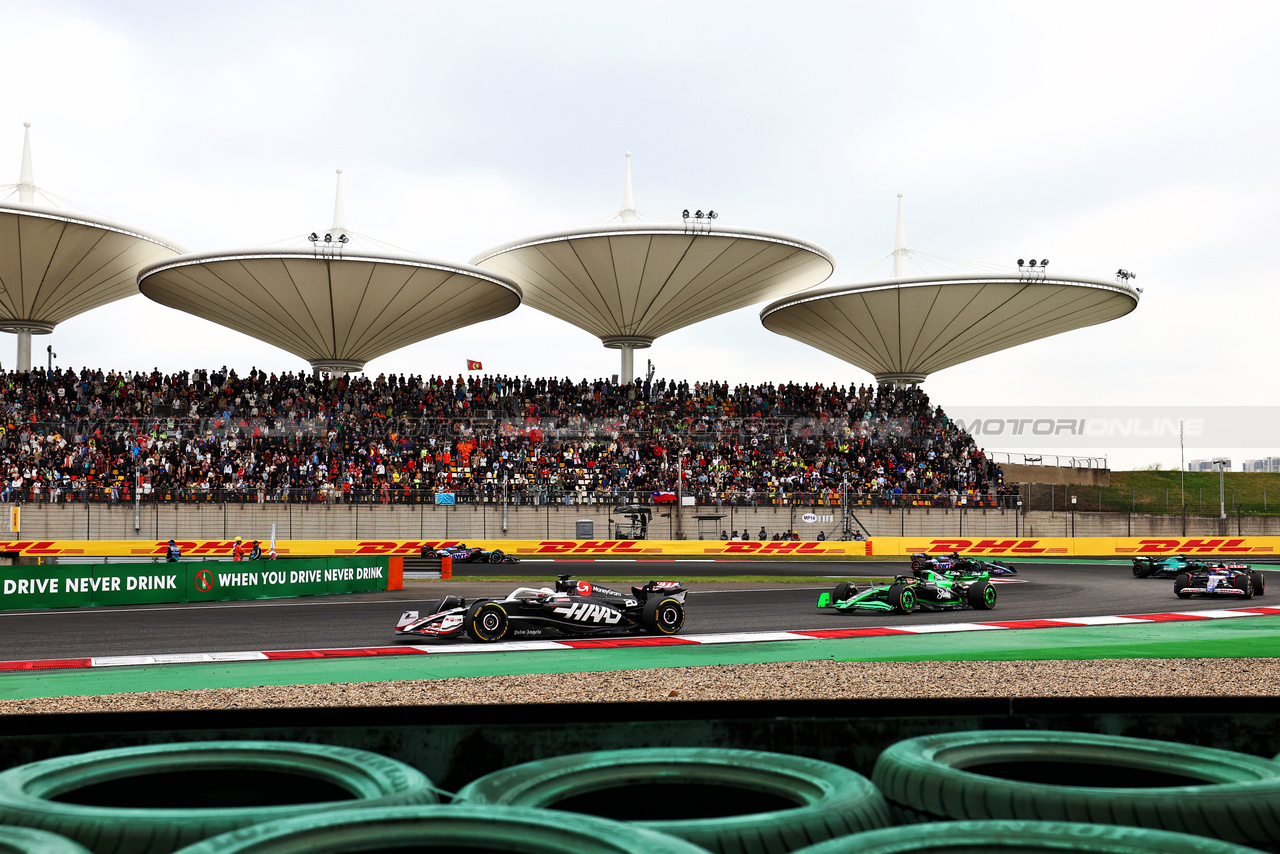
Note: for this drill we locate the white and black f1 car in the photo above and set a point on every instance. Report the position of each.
(1220, 579)
(572, 609)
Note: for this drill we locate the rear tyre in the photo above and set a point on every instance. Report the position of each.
(1259, 583)
(663, 616)
(1183, 580)
(982, 596)
(842, 592)
(1245, 583)
(1141, 569)
(902, 597)
(487, 622)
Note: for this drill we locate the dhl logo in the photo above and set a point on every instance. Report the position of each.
(993, 547)
(1174, 545)
(779, 548)
(398, 547)
(47, 547)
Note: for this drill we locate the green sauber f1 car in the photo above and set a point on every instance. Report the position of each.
(927, 590)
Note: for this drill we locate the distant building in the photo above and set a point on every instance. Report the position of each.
(1205, 465)
(1270, 464)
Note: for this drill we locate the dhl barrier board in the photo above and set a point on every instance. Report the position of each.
(85, 585)
(1049, 547)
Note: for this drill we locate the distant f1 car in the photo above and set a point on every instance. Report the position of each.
(572, 609)
(1220, 579)
(955, 564)
(926, 589)
(461, 553)
(1164, 567)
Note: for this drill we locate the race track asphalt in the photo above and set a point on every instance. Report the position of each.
(1043, 591)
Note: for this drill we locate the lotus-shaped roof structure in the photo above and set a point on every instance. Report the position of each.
(56, 263)
(629, 282)
(330, 301)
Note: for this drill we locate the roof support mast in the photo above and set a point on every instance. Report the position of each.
(900, 250)
(26, 180)
(26, 196)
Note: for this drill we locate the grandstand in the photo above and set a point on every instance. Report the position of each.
(208, 436)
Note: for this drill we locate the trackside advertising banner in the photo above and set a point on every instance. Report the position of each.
(83, 585)
(550, 549)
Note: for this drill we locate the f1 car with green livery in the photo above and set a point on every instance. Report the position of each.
(925, 589)
(1164, 567)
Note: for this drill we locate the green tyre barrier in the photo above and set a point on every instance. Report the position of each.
(155, 799)
(1022, 837)
(740, 801)
(1082, 777)
(451, 829)
(28, 840)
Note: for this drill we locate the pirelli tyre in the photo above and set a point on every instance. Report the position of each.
(663, 616)
(28, 840)
(155, 799)
(903, 598)
(1259, 582)
(486, 622)
(1180, 583)
(982, 596)
(1141, 569)
(1083, 777)
(1023, 837)
(440, 829)
(724, 800)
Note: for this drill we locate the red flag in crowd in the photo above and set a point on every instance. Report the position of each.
(473, 365)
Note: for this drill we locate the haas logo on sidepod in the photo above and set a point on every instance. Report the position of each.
(585, 612)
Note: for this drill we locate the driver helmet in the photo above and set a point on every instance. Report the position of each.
(171, 542)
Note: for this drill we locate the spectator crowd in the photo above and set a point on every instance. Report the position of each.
(213, 435)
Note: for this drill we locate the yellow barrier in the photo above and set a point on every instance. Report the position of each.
(1011, 547)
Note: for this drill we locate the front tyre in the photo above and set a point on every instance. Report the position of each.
(1245, 583)
(1182, 581)
(1259, 583)
(982, 596)
(902, 597)
(843, 591)
(487, 622)
(496, 556)
(663, 616)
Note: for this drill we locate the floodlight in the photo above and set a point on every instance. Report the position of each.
(1033, 263)
(328, 238)
(1021, 262)
(685, 214)
(698, 214)
(313, 237)
(712, 214)
(1044, 262)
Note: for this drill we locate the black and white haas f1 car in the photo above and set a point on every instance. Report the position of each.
(572, 609)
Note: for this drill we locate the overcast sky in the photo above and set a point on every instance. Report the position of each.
(1099, 135)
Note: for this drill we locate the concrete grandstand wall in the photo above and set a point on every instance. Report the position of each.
(158, 521)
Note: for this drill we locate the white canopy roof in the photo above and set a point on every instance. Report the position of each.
(55, 265)
(338, 311)
(902, 330)
(634, 281)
